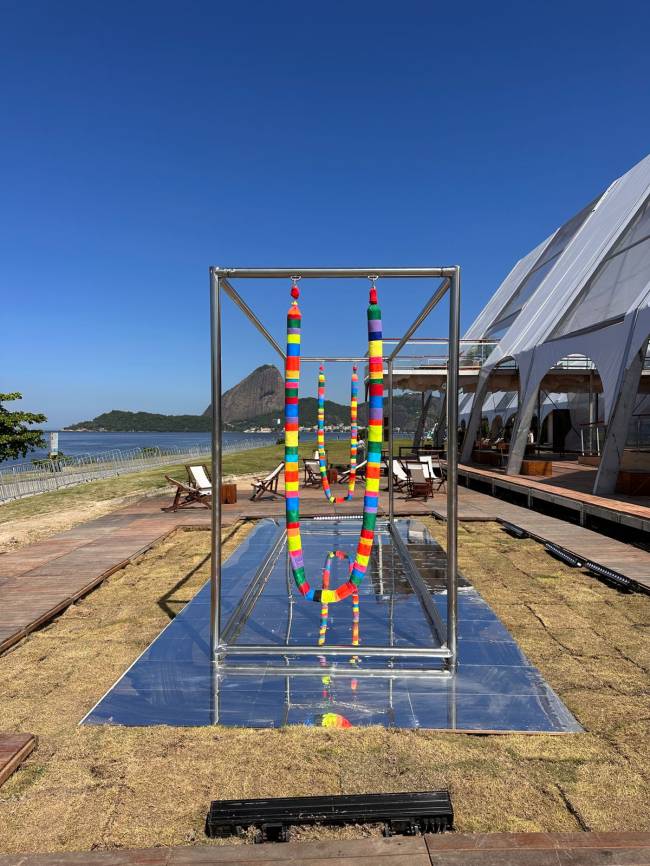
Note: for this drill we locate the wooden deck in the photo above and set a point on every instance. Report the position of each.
(14, 748)
(569, 487)
(39, 581)
(448, 849)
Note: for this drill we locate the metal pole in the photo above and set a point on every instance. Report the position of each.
(452, 468)
(391, 507)
(215, 561)
(331, 273)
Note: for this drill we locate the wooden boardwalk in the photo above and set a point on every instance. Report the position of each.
(448, 849)
(631, 562)
(14, 748)
(569, 487)
(39, 581)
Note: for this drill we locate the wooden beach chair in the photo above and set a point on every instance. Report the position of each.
(344, 477)
(311, 476)
(187, 495)
(267, 485)
(419, 484)
(400, 476)
(199, 476)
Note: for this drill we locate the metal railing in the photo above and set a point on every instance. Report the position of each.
(42, 476)
(592, 435)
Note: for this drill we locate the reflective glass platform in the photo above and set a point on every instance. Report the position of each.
(495, 688)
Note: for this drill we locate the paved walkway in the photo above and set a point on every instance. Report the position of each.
(448, 849)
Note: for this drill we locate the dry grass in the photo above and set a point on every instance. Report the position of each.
(108, 786)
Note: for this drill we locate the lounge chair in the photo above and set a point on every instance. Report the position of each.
(199, 476)
(437, 474)
(187, 494)
(344, 477)
(419, 484)
(400, 476)
(268, 485)
(311, 473)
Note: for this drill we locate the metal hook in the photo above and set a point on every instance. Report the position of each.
(296, 278)
(373, 279)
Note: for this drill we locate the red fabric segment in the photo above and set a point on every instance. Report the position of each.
(376, 390)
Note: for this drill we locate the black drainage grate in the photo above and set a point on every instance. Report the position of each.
(409, 814)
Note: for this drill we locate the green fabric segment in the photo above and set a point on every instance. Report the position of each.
(374, 312)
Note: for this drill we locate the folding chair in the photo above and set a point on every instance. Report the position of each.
(437, 474)
(187, 495)
(344, 477)
(269, 484)
(400, 476)
(419, 484)
(311, 476)
(199, 476)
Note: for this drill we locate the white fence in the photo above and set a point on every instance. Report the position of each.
(26, 479)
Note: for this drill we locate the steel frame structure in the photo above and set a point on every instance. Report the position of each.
(447, 652)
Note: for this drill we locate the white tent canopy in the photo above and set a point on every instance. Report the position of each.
(586, 290)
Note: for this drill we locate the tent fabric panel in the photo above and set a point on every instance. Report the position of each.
(578, 262)
(622, 276)
(500, 298)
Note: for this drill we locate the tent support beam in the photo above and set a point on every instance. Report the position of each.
(519, 440)
(619, 423)
(476, 412)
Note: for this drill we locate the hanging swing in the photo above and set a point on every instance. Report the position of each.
(357, 569)
(322, 454)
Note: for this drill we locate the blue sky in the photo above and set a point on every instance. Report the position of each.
(141, 142)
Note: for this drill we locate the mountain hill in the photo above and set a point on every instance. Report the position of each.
(119, 421)
(260, 393)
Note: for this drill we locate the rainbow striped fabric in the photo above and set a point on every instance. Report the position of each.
(324, 610)
(373, 469)
(354, 432)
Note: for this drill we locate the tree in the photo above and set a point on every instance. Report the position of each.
(16, 439)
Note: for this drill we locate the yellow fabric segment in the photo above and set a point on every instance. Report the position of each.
(375, 349)
(372, 485)
(375, 434)
(327, 596)
(294, 543)
(293, 338)
(291, 486)
(361, 559)
(291, 438)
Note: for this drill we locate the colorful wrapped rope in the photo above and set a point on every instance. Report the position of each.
(322, 454)
(373, 469)
(324, 610)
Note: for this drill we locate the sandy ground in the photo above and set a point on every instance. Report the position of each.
(26, 530)
(68, 510)
(116, 787)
